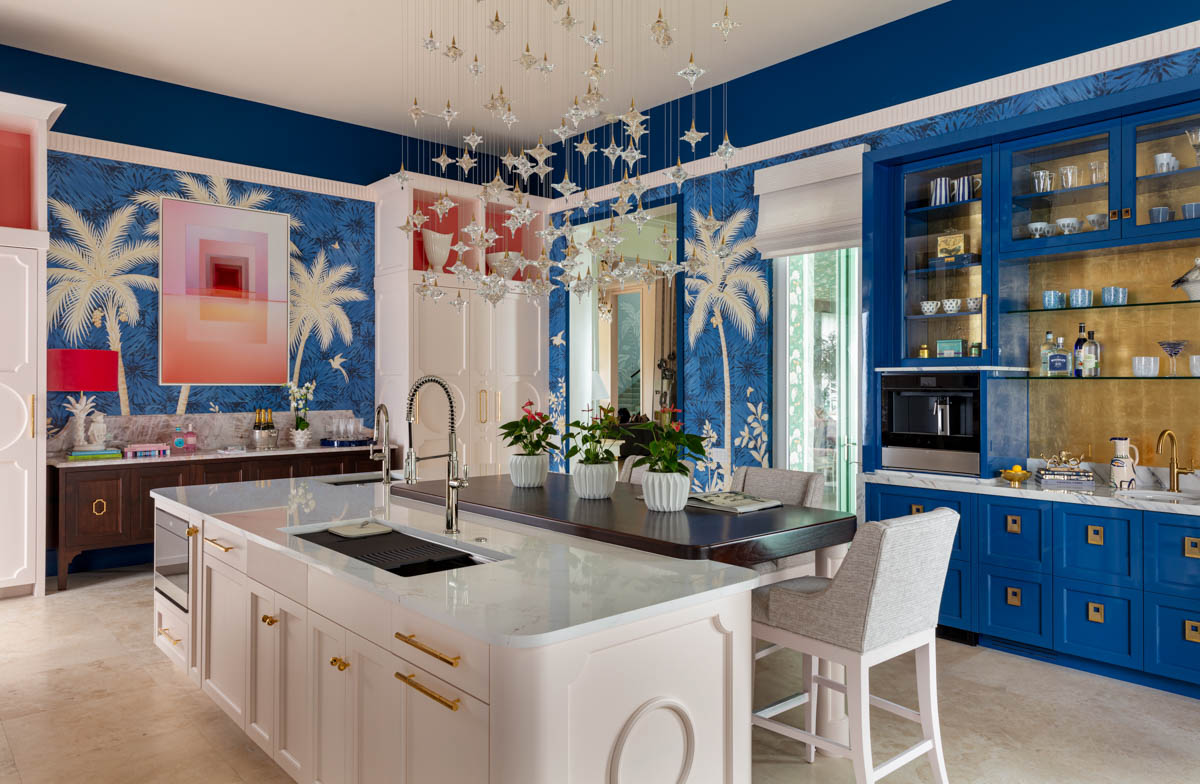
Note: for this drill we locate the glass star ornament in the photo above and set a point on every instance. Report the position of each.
(691, 135)
(418, 218)
(493, 104)
(542, 170)
(402, 176)
(725, 25)
(691, 72)
(476, 68)
(562, 131)
(591, 100)
(631, 155)
(636, 132)
(595, 71)
(489, 236)
(555, 4)
(665, 240)
(416, 112)
(408, 227)
(566, 187)
(545, 67)
(461, 247)
(709, 224)
(639, 187)
(508, 118)
(585, 147)
(448, 114)
(568, 21)
(472, 139)
(621, 206)
(443, 205)
(576, 113)
(443, 160)
(473, 229)
(526, 60)
(593, 38)
(458, 303)
(431, 44)
(523, 167)
(512, 224)
(523, 213)
(496, 25)
(540, 153)
(508, 159)
(639, 218)
(660, 31)
(582, 285)
(492, 288)
(465, 162)
(678, 175)
(625, 188)
(726, 151)
(586, 203)
(604, 312)
(612, 152)
(452, 51)
(633, 116)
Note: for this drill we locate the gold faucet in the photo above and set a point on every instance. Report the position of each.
(1174, 464)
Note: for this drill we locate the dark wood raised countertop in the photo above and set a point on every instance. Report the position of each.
(624, 520)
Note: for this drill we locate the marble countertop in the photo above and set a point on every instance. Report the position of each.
(59, 459)
(543, 588)
(1094, 495)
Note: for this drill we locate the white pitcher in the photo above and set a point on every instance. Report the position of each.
(1123, 476)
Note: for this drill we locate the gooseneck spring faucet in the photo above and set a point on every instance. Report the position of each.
(456, 475)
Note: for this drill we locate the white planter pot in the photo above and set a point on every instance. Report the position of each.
(665, 492)
(528, 470)
(300, 438)
(594, 481)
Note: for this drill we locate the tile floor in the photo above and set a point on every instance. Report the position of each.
(85, 695)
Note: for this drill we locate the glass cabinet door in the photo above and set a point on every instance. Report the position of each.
(1058, 189)
(1164, 147)
(945, 235)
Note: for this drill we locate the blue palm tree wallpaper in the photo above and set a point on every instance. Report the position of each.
(89, 195)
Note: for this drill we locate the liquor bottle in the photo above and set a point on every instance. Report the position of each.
(1091, 356)
(177, 441)
(190, 439)
(1047, 348)
(1059, 361)
(1077, 354)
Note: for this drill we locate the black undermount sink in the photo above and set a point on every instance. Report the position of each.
(400, 554)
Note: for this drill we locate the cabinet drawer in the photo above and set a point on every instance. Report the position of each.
(366, 614)
(957, 609)
(445, 652)
(442, 744)
(1101, 622)
(892, 502)
(96, 509)
(1015, 534)
(1098, 543)
(1173, 637)
(277, 571)
(171, 631)
(1016, 605)
(224, 543)
(1172, 554)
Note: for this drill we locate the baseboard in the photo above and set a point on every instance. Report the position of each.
(13, 591)
(958, 635)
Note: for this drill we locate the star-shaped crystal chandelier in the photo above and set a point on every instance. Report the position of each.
(678, 174)
(691, 72)
(555, 4)
(595, 71)
(542, 170)
(633, 116)
(508, 118)
(402, 176)
(416, 112)
(566, 187)
(691, 135)
(495, 25)
(443, 160)
(631, 155)
(585, 147)
(472, 140)
(527, 60)
(540, 153)
(431, 44)
(452, 51)
(545, 67)
(725, 25)
(448, 114)
(612, 152)
(726, 151)
(465, 162)
(475, 68)
(660, 31)
(562, 131)
(568, 21)
(443, 205)
(593, 38)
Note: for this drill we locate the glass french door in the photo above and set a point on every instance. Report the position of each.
(822, 354)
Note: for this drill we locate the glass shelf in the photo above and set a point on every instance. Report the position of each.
(1168, 181)
(925, 272)
(1115, 378)
(938, 210)
(923, 317)
(1107, 307)
(1083, 194)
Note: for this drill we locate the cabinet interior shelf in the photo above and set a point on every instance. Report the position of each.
(1062, 197)
(1107, 307)
(922, 316)
(1115, 378)
(1159, 182)
(926, 272)
(952, 208)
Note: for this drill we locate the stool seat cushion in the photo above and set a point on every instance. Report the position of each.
(760, 598)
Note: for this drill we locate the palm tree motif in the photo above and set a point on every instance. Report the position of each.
(214, 190)
(93, 284)
(724, 288)
(316, 297)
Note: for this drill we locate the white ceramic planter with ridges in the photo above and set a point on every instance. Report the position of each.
(528, 470)
(665, 492)
(594, 481)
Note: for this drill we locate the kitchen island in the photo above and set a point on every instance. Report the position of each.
(553, 658)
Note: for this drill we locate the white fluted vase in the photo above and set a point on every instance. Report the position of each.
(665, 492)
(594, 481)
(528, 470)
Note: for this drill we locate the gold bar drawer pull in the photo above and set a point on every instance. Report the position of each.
(411, 680)
(170, 639)
(1191, 631)
(223, 548)
(412, 640)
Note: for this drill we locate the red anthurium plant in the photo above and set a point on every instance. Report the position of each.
(593, 441)
(533, 433)
(670, 445)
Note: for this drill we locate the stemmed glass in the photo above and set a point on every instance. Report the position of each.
(1173, 349)
(1193, 135)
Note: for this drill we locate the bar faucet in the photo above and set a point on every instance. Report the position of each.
(383, 437)
(456, 474)
(1174, 464)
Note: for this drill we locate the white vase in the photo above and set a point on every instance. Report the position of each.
(594, 481)
(437, 248)
(528, 470)
(300, 438)
(665, 492)
(504, 263)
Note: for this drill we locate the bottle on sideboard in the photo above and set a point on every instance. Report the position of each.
(270, 423)
(1047, 348)
(177, 441)
(1091, 356)
(258, 419)
(190, 439)
(1077, 355)
(1059, 361)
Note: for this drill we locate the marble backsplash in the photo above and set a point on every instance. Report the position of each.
(1148, 477)
(213, 431)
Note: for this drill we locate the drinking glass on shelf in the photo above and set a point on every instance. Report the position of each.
(1173, 349)
(1068, 176)
(1193, 135)
(1099, 172)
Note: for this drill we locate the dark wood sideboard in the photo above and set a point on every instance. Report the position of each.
(91, 507)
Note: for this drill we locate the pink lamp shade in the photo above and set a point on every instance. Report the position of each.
(81, 370)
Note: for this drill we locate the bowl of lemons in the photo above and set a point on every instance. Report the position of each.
(1015, 475)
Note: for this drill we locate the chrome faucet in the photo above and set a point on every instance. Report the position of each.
(456, 475)
(383, 437)
(1174, 464)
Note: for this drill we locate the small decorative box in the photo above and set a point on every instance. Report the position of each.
(148, 450)
(950, 348)
(961, 260)
(952, 244)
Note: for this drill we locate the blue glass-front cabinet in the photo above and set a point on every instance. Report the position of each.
(1162, 181)
(946, 241)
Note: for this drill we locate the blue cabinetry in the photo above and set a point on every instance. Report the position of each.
(1015, 605)
(1015, 533)
(1098, 543)
(1172, 555)
(1100, 622)
(1172, 637)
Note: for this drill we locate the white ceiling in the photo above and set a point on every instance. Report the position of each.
(360, 61)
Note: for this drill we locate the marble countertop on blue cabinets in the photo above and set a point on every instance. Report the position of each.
(546, 588)
(1095, 495)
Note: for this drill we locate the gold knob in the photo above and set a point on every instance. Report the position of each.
(340, 663)
(269, 620)
(192, 531)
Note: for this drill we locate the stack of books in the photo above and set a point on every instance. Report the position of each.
(94, 453)
(1072, 477)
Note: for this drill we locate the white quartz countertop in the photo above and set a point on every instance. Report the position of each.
(548, 587)
(1093, 495)
(59, 459)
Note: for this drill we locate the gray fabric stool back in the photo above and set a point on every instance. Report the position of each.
(794, 488)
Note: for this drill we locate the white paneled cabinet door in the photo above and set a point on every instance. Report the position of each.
(18, 431)
(445, 731)
(440, 347)
(293, 722)
(224, 671)
(483, 453)
(520, 349)
(263, 666)
(376, 715)
(328, 684)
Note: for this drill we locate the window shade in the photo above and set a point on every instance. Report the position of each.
(811, 204)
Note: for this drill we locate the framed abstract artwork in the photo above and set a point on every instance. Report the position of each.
(224, 295)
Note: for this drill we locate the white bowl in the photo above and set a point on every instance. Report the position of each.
(1145, 367)
(1068, 225)
(437, 248)
(1192, 290)
(951, 305)
(1194, 364)
(974, 303)
(930, 306)
(502, 258)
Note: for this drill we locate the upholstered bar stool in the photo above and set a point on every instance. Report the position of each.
(794, 488)
(883, 602)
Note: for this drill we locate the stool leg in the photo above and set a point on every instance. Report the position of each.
(811, 663)
(858, 704)
(928, 707)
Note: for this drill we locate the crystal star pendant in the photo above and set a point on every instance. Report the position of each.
(545, 67)
(496, 25)
(540, 153)
(625, 188)
(562, 131)
(595, 71)
(465, 162)
(612, 152)
(461, 247)
(660, 31)
(475, 69)
(416, 112)
(639, 218)
(492, 191)
(586, 202)
(473, 139)
(636, 132)
(431, 44)
(402, 176)
(633, 116)
(526, 60)
(631, 155)
(568, 21)
(709, 224)
(448, 114)
(665, 241)
(443, 205)
(566, 187)
(585, 147)
(443, 160)
(555, 4)
(691, 72)
(639, 187)
(523, 167)
(508, 159)
(678, 175)
(575, 114)
(691, 135)
(542, 170)
(593, 38)
(726, 151)
(452, 51)
(418, 218)
(508, 118)
(725, 25)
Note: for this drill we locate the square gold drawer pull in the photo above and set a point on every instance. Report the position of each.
(1012, 524)
(916, 508)
(1095, 534)
(1191, 547)
(1013, 596)
(1095, 612)
(1191, 631)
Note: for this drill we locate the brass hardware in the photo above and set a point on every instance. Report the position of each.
(1095, 612)
(1013, 596)
(340, 663)
(218, 545)
(411, 639)
(270, 620)
(1114, 215)
(1095, 534)
(1191, 631)
(482, 405)
(192, 531)
(983, 323)
(1173, 465)
(170, 639)
(33, 416)
(99, 502)
(1191, 547)
(916, 508)
(428, 692)
(498, 405)
(1126, 213)
(1012, 524)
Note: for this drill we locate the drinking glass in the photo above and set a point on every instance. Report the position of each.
(1193, 135)
(1173, 349)
(1068, 176)
(1099, 172)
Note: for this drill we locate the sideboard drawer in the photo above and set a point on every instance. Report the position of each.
(1016, 605)
(1015, 533)
(1173, 637)
(958, 597)
(1097, 543)
(1172, 554)
(892, 502)
(97, 510)
(1101, 622)
(445, 652)
(225, 543)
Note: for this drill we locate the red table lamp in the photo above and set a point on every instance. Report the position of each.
(81, 370)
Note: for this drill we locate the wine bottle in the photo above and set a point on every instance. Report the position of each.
(1077, 354)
